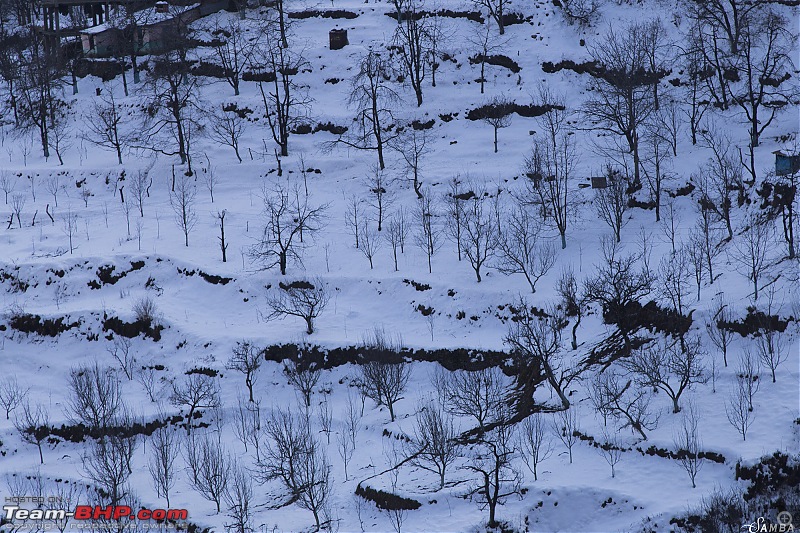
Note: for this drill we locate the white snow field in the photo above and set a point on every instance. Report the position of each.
(51, 268)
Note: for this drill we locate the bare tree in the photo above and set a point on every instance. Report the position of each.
(411, 43)
(353, 217)
(571, 301)
(370, 242)
(521, 251)
(107, 464)
(428, 234)
(379, 197)
(435, 445)
(413, 145)
(717, 332)
(611, 202)
(314, 473)
(301, 298)
(537, 341)
(173, 112)
(182, 200)
(345, 448)
(619, 282)
(120, 350)
(497, 11)
(764, 68)
(374, 100)
(287, 439)
(535, 444)
(719, 178)
(492, 460)
(566, 428)
(11, 394)
(688, 443)
(95, 398)
(238, 496)
(611, 450)
(105, 123)
(247, 424)
(384, 383)
(33, 425)
(751, 252)
(670, 366)
(675, 279)
(483, 41)
(161, 464)
(140, 183)
(625, 402)
(7, 183)
(17, 205)
(227, 127)
(288, 218)
(705, 241)
(747, 376)
(480, 231)
(235, 48)
(771, 344)
(397, 233)
(246, 358)
(455, 198)
(739, 414)
(196, 391)
(296, 458)
(479, 394)
(39, 89)
(549, 167)
(67, 494)
(498, 113)
(210, 465)
(223, 244)
(303, 375)
(623, 86)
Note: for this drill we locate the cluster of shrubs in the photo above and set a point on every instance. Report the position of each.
(132, 329)
(498, 60)
(49, 327)
(387, 500)
(326, 358)
(79, 432)
(774, 486)
(107, 276)
(506, 108)
(326, 14)
(754, 323)
(210, 278)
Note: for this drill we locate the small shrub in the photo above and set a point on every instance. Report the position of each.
(145, 310)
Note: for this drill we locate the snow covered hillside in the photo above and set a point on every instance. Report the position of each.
(500, 265)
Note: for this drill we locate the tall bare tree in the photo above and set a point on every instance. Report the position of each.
(288, 217)
(411, 42)
(302, 299)
(480, 232)
(234, 47)
(374, 100)
(623, 86)
(105, 123)
(182, 200)
(521, 248)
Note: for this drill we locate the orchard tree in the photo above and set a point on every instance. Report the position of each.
(374, 101)
(622, 87)
(289, 220)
